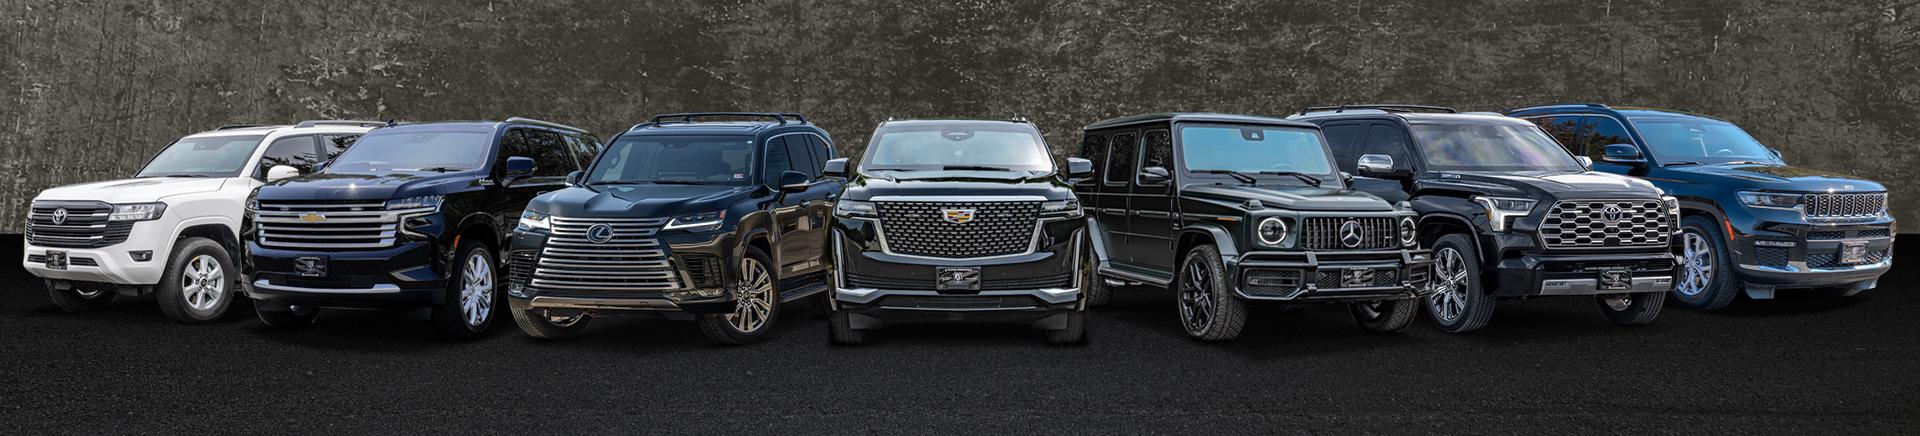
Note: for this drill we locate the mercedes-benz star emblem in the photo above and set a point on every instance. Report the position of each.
(599, 233)
(1350, 234)
(60, 216)
(1613, 213)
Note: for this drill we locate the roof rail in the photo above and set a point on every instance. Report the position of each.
(1379, 107)
(780, 117)
(519, 120)
(239, 126)
(311, 123)
(1019, 119)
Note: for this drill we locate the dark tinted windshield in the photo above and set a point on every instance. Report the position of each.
(414, 150)
(1491, 147)
(1254, 149)
(675, 159)
(221, 156)
(1710, 142)
(972, 146)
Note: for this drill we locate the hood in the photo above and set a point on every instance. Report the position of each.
(1779, 178)
(133, 190)
(956, 183)
(1551, 184)
(639, 200)
(1292, 197)
(330, 186)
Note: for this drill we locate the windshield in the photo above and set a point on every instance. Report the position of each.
(1698, 141)
(220, 156)
(1492, 147)
(1253, 150)
(414, 150)
(675, 159)
(960, 146)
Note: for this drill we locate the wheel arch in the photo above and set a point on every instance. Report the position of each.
(1197, 234)
(220, 233)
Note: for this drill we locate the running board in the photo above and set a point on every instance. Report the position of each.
(803, 291)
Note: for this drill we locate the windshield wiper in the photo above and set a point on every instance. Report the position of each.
(439, 169)
(185, 175)
(1311, 180)
(1675, 164)
(1242, 177)
(680, 182)
(973, 168)
(617, 182)
(1746, 162)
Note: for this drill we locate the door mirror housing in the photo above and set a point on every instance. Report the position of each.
(794, 181)
(573, 178)
(1585, 162)
(1777, 155)
(1380, 166)
(1079, 168)
(519, 166)
(836, 167)
(1625, 154)
(278, 172)
(1152, 175)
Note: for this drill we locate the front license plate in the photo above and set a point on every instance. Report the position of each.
(957, 279)
(310, 266)
(56, 260)
(1853, 252)
(1616, 280)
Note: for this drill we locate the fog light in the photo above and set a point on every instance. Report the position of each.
(709, 292)
(141, 256)
(517, 290)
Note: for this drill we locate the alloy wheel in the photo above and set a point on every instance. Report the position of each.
(1697, 256)
(476, 291)
(753, 297)
(1449, 298)
(1196, 297)
(203, 283)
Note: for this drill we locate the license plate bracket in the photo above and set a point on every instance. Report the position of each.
(1853, 252)
(310, 266)
(56, 259)
(956, 279)
(1616, 280)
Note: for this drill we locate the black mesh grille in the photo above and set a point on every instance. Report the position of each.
(1876, 233)
(1272, 282)
(704, 269)
(1335, 234)
(857, 281)
(1373, 277)
(1826, 235)
(1832, 260)
(958, 230)
(1606, 223)
(1770, 256)
(520, 268)
(81, 225)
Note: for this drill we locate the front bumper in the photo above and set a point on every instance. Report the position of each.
(700, 263)
(1798, 255)
(1029, 286)
(111, 264)
(1539, 274)
(1325, 276)
(406, 275)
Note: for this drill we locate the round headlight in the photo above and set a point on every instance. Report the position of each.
(1273, 231)
(1408, 232)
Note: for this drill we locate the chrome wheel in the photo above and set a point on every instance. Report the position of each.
(1449, 298)
(1697, 256)
(753, 298)
(476, 291)
(1196, 297)
(204, 283)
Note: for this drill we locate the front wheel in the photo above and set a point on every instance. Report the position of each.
(1208, 309)
(840, 330)
(79, 300)
(468, 309)
(1706, 274)
(1385, 316)
(196, 287)
(756, 297)
(537, 324)
(1631, 309)
(1458, 302)
(1074, 333)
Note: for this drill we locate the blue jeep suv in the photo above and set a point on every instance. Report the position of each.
(1752, 222)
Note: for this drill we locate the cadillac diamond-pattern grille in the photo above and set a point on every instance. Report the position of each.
(1846, 206)
(356, 224)
(1606, 223)
(82, 225)
(1371, 233)
(958, 230)
(631, 260)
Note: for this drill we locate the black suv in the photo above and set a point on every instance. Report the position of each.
(1507, 212)
(1232, 209)
(1751, 222)
(950, 219)
(411, 216)
(720, 221)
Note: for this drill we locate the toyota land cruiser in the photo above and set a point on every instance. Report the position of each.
(174, 229)
(412, 216)
(953, 219)
(1507, 212)
(1228, 210)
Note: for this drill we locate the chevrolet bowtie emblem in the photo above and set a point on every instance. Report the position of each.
(958, 216)
(312, 217)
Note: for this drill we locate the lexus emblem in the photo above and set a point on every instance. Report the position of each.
(1613, 213)
(958, 216)
(1350, 234)
(599, 233)
(60, 216)
(312, 217)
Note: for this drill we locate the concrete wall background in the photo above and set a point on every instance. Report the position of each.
(90, 88)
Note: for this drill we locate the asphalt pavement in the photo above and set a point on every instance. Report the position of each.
(1797, 364)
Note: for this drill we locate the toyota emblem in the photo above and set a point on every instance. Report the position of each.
(1613, 213)
(600, 233)
(1350, 234)
(60, 216)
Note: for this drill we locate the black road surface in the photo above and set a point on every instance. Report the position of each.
(1797, 364)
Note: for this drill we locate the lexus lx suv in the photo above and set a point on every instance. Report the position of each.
(173, 230)
(1751, 222)
(686, 216)
(412, 216)
(1229, 210)
(953, 219)
(1507, 212)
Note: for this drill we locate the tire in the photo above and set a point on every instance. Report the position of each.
(199, 283)
(1459, 302)
(757, 304)
(76, 300)
(471, 296)
(1208, 309)
(1639, 309)
(537, 325)
(281, 316)
(840, 330)
(1706, 283)
(1074, 334)
(1098, 292)
(1385, 316)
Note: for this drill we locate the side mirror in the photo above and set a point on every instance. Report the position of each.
(519, 166)
(1346, 178)
(1625, 154)
(278, 172)
(1777, 155)
(1380, 166)
(794, 181)
(835, 168)
(1152, 175)
(1078, 168)
(1585, 162)
(573, 178)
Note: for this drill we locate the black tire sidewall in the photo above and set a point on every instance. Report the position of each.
(1721, 281)
(450, 315)
(172, 296)
(1474, 294)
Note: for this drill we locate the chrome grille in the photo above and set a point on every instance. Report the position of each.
(1585, 224)
(630, 261)
(356, 224)
(922, 228)
(1846, 206)
(1372, 233)
(84, 226)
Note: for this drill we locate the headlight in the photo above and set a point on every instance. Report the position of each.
(854, 209)
(1409, 235)
(422, 202)
(1061, 209)
(137, 211)
(1271, 231)
(699, 222)
(1500, 210)
(253, 204)
(530, 220)
(1672, 204)
(1771, 200)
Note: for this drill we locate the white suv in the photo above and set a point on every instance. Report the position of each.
(174, 228)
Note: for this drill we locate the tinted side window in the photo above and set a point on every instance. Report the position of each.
(1389, 140)
(1158, 151)
(822, 152)
(1601, 132)
(296, 151)
(1093, 148)
(1342, 139)
(583, 150)
(1565, 129)
(1120, 159)
(778, 161)
(336, 143)
(801, 157)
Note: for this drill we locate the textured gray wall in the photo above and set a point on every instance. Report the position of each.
(91, 88)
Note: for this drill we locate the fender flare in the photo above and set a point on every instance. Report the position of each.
(239, 250)
(1474, 235)
(1222, 239)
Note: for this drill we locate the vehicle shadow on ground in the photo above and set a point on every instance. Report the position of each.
(1789, 303)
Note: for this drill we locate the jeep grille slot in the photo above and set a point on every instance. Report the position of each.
(630, 260)
(1329, 233)
(85, 225)
(326, 225)
(1846, 206)
(1606, 224)
(959, 229)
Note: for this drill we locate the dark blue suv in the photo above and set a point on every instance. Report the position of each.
(1752, 222)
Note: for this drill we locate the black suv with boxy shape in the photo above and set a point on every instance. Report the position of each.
(411, 216)
(1228, 210)
(686, 216)
(953, 219)
(1507, 212)
(1751, 222)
